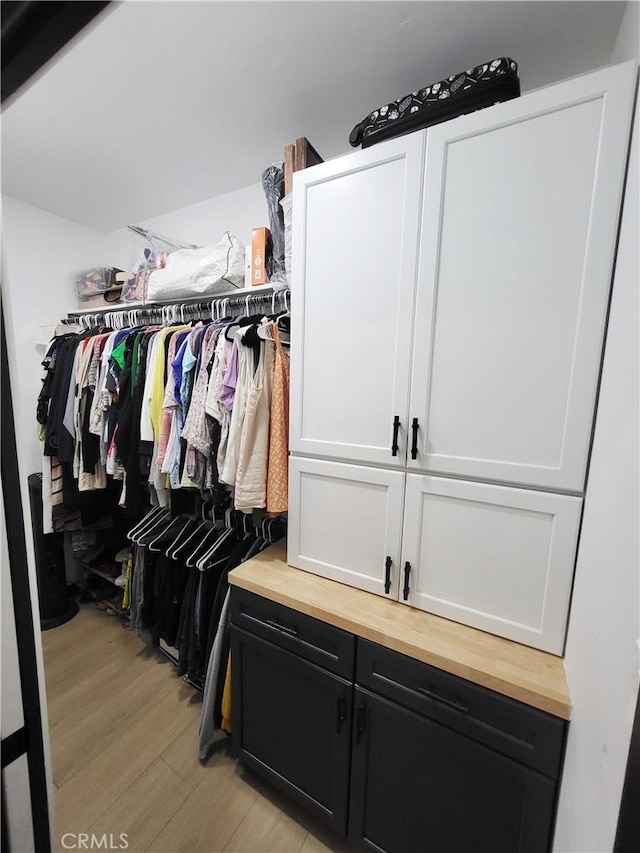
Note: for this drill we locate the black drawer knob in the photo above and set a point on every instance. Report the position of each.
(341, 713)
(361, 718)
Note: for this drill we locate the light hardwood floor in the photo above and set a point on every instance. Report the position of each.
(124, 754)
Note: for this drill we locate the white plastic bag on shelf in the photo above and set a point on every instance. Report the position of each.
(199, 272)
(286, 203)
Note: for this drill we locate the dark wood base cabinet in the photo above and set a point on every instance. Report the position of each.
(395, 753)
(417, 786)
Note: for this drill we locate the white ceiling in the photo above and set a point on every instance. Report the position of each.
(163, 104)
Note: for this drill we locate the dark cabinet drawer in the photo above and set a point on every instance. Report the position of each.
(518, 731)
(315, 641)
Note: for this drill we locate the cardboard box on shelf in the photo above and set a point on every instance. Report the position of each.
(260, 254)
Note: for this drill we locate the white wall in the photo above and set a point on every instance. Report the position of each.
(602, 657)
(40, 253)
(602, 654)
(627, 44)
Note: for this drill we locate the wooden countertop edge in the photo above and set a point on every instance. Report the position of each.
(257, 576)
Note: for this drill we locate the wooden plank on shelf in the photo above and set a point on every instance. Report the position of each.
(298, 155)
(306, 154)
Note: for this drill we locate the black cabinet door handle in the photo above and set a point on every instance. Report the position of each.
(284, 629)
(414, 438)
(387, 575)
(361, 716)
(452, 703)
(407, 572)
(394, 443)
(340, 713)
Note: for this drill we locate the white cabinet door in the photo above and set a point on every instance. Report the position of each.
(354, 245)
(345, 522)
(493, 557)
(520, 219)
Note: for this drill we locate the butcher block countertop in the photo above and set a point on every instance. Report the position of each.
(528, 675)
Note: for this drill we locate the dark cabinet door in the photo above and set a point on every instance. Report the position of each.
(417, 786)
(292, 724)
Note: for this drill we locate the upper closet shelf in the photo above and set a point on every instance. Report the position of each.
(233, 293)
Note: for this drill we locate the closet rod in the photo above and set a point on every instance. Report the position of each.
(274, 298)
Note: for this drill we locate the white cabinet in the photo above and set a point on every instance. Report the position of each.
(457, 280)
(497, 558)
(355, 239)
(346, 522)
(494, 557)
(519, 228)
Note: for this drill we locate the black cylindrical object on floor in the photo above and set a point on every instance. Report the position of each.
(56, 607)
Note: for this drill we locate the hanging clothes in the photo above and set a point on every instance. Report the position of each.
(278, 465)
(182, 416)
(253, 453)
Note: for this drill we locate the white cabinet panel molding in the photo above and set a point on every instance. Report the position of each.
(520, 220)
(345, 521)
(355, 237)
(497, 558)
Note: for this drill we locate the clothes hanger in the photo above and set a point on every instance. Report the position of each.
(168, 534)
(156, 510)
(145, 536)
(210, 537)
(265, 333)
(258, 545)
(240, 320)
(284, 329)
(157, 521)
(205, 566)
(155, 530)
(180, 544)
(208, 545)
(204, 561)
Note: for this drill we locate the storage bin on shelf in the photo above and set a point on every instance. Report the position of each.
(96, 281)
